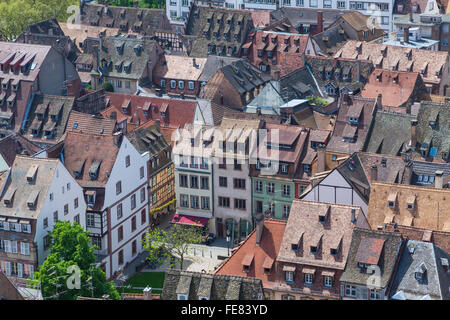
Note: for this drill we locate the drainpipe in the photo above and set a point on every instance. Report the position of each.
(27, 111)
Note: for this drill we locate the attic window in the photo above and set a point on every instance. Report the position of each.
(392, 199)
(31, 174)
(32, 199)
(94, 169)
(323, 216)
(313, 249)
(420, 272)
(410, 202)
(8, 198)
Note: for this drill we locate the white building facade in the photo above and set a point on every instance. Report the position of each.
(126, 208)
(177, 10)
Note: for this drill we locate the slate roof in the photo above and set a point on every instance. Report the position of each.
(149, 20)
(24, 190)
(241, 75)
(203, 31)
(303, 228)
(271, 238)
(391, 133)
(214, 286)
(440, 136)
(298, 84)
(429, 168)
(148, 137)
(427, 202)
(436, 282)
(342, 73)
(367, 106)
(120, 51)
(90, 124)
(212, 64)
(59, 106)
(383, 56)
(352, 169)
(389, 253)
(360, 23)
(332, 39)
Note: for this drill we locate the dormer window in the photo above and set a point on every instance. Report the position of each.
(313, 249)
(420, 272)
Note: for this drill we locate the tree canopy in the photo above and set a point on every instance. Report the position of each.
(71, 255)
(17, 15)
(162, 244)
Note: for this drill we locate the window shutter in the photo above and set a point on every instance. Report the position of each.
(14, 246)
(359, 293)
(8, 268)
(20, 270)
(31, 270)
(7, 246)
(342, 290)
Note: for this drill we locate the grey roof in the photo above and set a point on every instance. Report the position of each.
(357, 72)
(244, 76)
(60, 105)
(353, 171)
(139, 138)
(387, 260)
(426, 168)
(438, 137)
(391, 133)
(298, 84)
(211, 113)
(17, 180)
(214, 286)
(436, 281)
(197, 25)
(121, 51)
(331, 39)
(214, 63)
(149, 20)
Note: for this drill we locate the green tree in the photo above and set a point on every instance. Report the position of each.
(108, 86)
(71, 251)
(16, 15)
(161, 244)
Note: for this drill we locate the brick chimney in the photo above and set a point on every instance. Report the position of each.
(439, 179)
(413, 134)
(148, 293)
(321, 158)
(259, 221)
(408, 172)
(379, 101)
(373, 173)
(406, 34)
(319, 21)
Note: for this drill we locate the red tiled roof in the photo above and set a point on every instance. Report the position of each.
(269, 246)
(286, 61)
(369, 250)
(395, 87)
(179, 112)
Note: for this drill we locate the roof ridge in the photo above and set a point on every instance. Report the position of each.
(413, 187)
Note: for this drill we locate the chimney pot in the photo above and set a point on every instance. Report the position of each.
(439, 179)
(259, 220)
(373, 173)
(321, 158)
(319, 21)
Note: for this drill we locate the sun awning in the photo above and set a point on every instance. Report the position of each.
(189, 220)
(289, 268)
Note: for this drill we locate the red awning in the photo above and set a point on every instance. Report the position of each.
(189, 220)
